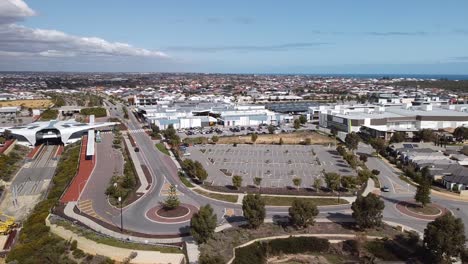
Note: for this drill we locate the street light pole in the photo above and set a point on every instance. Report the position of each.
(121, 215)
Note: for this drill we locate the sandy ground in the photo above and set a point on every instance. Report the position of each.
(24, 207)
(288, 138)
(39, 103)
(288, 259)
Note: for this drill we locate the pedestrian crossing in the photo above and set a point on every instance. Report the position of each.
(86, 207)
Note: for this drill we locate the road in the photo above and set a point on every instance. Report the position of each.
(402, 191)
(163, 169)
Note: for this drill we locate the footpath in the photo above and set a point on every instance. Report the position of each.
(116, 253)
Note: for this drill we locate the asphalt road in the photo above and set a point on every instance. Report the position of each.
(163, 170)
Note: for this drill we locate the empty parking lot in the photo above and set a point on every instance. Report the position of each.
(277, 165)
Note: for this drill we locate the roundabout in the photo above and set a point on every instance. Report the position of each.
(428, 213)
(180, 214)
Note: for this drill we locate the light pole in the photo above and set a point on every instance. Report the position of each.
(121, 215)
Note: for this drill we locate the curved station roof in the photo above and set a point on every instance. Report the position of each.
(58, 129)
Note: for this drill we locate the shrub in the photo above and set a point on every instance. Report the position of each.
(253, 253)
(296, 245)
(78, 253)
(73, 245)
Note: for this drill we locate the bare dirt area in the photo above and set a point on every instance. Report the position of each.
(35, 103)
(288, 138)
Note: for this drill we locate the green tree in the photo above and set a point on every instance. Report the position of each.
(297, 124)
(367, 211)
(317, 184)
(203, 224)
(426, 135)
(253, 207)
(155, 129)
(297, 182)
(378, 144)
(172, 201)
(444, 238)
(363, 158)
(352, 141)
(398, 137)
(253, 137)
(257, 181)
(237, 181)
(375, 172)
(302, 212)
(215, 139)
(332, 180)
(271, 129)
(461, 133)
(423, 192)
(348, 182)
(303, 119)
(334, 131)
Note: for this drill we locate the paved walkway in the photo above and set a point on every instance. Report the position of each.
(369, 187)
(85, 169)
(115, 253)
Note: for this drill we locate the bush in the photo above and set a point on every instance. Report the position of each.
(73, 245)
(96, 111)
(78, 253)
(258, 252)
(296, 245)
(253, 253)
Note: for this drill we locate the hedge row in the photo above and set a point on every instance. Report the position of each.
(258, 252)
(96, 111)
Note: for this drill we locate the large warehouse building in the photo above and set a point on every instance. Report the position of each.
(380, 121)
(207, 114)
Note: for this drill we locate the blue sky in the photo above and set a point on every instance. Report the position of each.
(360, 36)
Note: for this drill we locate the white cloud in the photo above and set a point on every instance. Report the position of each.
(14, 10)
(19, 41)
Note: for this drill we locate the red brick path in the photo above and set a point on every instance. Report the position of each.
(84, 171)
(5, 146)
(34, 151)
(402, 207)
(153, 216)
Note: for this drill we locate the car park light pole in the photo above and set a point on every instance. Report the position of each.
(121, 215)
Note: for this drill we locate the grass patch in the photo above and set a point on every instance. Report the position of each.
(112, 241)
(49, 114)
(301, 137)
(162, 148)
(185, 181)
(217, 196)
(407, 180)
(376, 181)
(287, 201)
(426, 210)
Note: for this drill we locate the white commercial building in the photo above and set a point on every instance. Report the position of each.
(202, 115)
(380, 121)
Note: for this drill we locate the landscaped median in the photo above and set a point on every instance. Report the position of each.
(287, 201)
(218, 196)
(272, 200)
(162, 148)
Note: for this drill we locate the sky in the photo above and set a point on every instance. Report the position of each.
(261, 36)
